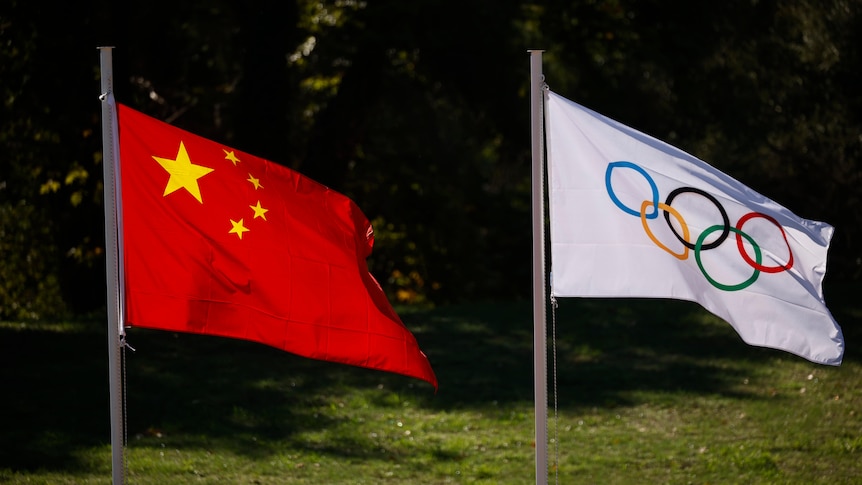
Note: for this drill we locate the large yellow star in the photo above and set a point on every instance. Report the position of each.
(259, 211)
(184, 174)
(238, 228)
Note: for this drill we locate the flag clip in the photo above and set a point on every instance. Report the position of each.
(125, 344)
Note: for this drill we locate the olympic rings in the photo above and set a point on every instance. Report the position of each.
(685, 238)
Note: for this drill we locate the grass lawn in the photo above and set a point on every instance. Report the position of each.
(647, 392)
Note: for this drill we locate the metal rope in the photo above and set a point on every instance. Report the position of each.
(125, 414)
(556, 407)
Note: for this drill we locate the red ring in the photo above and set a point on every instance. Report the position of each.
(747, 258)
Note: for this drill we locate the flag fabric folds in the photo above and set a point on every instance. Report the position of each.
(632, 216)
(220, 242)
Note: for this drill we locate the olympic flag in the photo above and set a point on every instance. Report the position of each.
(632, 216)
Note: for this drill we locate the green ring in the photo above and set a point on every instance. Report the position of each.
(757, 256)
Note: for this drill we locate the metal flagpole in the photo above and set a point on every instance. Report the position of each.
(540, 350)
(112, 266)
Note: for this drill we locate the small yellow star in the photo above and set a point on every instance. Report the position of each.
(229, 155)
(259, 211)
(184, 174)
(254, 181)
(238, 228)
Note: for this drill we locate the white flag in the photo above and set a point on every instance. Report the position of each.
(632, 216)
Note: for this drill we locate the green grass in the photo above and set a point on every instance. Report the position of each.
(647, 392)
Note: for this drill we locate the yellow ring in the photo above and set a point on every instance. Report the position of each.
(678, 216)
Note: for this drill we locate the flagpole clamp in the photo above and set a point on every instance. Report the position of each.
(125, 344)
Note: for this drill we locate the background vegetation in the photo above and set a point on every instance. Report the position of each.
(420, 113)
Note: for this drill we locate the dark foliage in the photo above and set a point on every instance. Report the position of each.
(420, 114)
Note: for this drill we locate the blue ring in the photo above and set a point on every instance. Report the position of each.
(627, 210)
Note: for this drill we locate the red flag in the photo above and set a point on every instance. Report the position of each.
(220, 242)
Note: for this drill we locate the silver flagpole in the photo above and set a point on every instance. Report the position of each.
(540, 350)
(112, 263)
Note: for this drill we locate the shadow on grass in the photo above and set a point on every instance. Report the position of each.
(215, 393)
(54, 396)
(605, 349)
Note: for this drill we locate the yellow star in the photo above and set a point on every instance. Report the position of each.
(259, 211)
(238, 228)
(229, 155)
(184, 174)
(254, 181)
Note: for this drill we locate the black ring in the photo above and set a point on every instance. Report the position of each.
(724, 232)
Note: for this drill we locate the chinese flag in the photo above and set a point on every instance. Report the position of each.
(219, 242)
